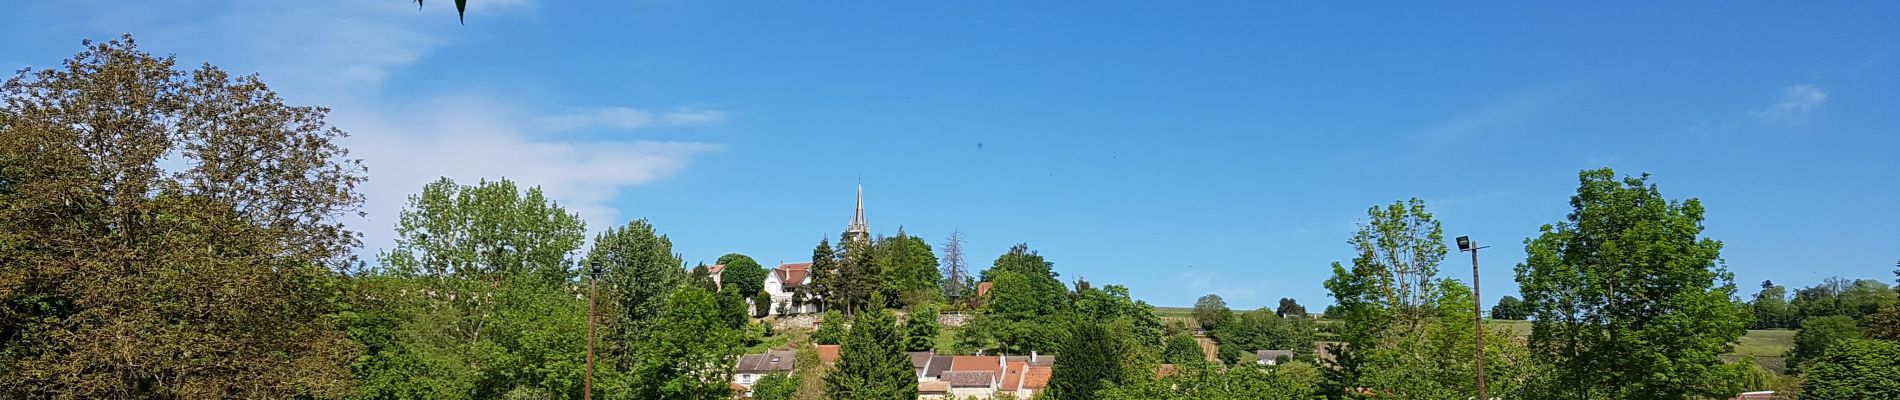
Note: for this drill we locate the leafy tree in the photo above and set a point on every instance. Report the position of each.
(920, 330)
(1113, 302)
(1817, 334)
(1629, 299)
(1091, 359)
(689, 355)
(638, 272)
(1291, 381)
(1836, 296)
(1261, 330)
(761, 305)
(119, 279)
(1771, 308)
(1509, 308)
(1433, 360)
(1290, 308)
(1884, 325)
(831, 329)
(872, 363)
(701, 277)
(1024, 298)
(742, 273)
(484, 287)
(1182, 349)
(1855, 369)
(1391, 281)
(732, 309)
(1210, 311)
(908, 269)
(775, 387)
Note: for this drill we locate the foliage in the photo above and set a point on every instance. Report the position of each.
(831, 329)
(690, 354)
(1884, 325)
(638, 272)
(1771, 308)
(742, 273)
(1836, 296)
(761, 305)
(701, 277)
(1017, 317)
(1397, 251)
(1091, 358)
(872, 363)
(1182, 349)
(907, 269)
(1291, 381)
(1290, 308)
(856, 278)
(920, 330)
(1210, 310)
(1113, 302)
(1510, 308)
(1629, 299)
(1855, 369)
(481, 287)
(1817, 334)
(775, 387)
(1433, 360)
(1261, 330)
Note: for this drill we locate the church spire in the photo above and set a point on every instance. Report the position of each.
(859, 229)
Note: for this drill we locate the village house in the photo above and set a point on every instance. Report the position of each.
(1272, 357)
(753, 367)
(944, 377)
(783, 283)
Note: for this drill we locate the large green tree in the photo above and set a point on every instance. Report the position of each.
(1509, 308)
(908, 268)
(742, 273)
(1771, 308)
(1816, 335)
(638, 271)
(1630, 300)
(122, 278)
(1024, 308)
(691, 351)
(920, 329)
(872, 363)
(1210, 311)
(484, 290)
(1391, 283)
(824, 275)
(1091, 359)
(1290, 308)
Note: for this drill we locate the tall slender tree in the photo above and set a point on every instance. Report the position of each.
(1630, 300)
(825, 275)
(872, 363)
(955, 272)
(638, 272)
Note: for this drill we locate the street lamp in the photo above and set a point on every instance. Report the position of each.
(593, 277)
(1477, 307)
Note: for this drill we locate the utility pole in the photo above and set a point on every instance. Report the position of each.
(1477, 307)
(593, 289)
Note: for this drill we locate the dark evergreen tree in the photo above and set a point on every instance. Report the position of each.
(872, 363)
(1091, 359)
(1290, 308)
(831, 328)
(824, 279)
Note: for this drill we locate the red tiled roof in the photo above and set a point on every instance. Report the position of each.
(828, 353)
(793, 275)
(982, 289)
(1037, 377)
(1163, 370)
(715, 269)
(1013, 376)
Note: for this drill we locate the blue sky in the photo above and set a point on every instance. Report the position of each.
(1221, 147)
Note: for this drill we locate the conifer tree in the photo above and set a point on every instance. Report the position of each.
(1091, 360)
(872, 364)
(920, 330)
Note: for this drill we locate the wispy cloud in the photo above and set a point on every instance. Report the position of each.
(1497, 113)
(1797, 102)
(341, 53)
(625, 118)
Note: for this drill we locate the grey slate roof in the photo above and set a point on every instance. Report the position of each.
(938, 364)
(771, 361)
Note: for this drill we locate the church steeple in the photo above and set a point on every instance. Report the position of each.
(859, 229)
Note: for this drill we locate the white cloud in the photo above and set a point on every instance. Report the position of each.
(1796, 103)
(340, 53)
(1497, 113)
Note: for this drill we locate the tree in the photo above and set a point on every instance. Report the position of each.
(1402, 245)
(1210, 311)
(1023, 300)
(701, 277)
(1114, 303)
(120, 279)
(1629, 299)
(831, 329)
(1091, 359)
(1182, 349)
(1771, 308)
(1291, 381)
(1816, 335)
(857, 277)
(482, 275)
(1884, 325)
(742, 273)
(1837, 296)
(689, 355)
(775, 387)
(825, 274)
(1290, 308)
(872, 363)
(955, 272)
(1855, 369)
(920, 330)
(761, 305)
(1509, 308)
(907, 269)
(638, 272)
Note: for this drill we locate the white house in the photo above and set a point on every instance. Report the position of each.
(785, 280)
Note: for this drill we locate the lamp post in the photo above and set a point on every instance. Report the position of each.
(1477, 307)
(593, 274)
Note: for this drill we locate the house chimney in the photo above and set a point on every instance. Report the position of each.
(1032, 356)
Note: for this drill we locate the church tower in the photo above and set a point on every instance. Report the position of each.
(858, 230)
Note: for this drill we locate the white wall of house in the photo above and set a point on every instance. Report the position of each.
(776, 289)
